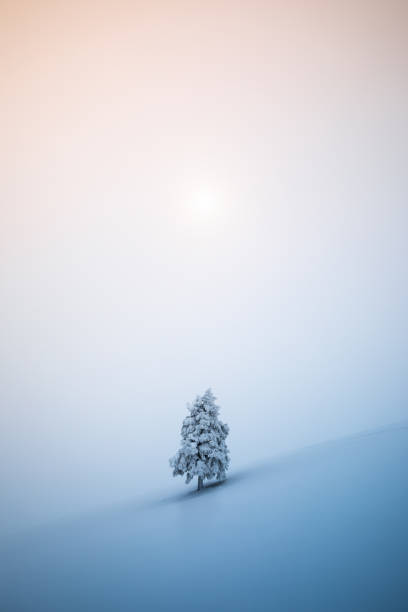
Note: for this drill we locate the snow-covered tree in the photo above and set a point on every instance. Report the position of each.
(203, 451)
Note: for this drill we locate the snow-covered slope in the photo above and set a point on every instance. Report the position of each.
(324, 529)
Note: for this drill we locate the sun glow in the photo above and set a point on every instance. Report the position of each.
(205, 203)
(208, 206)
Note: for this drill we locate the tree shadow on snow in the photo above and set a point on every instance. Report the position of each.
(210, 487)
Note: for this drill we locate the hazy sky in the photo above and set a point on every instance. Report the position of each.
(195, 194)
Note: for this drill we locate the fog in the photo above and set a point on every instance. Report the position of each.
(121, 299)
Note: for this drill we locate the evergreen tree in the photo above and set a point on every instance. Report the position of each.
(203, 451)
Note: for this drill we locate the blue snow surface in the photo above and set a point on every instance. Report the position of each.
(323, 529)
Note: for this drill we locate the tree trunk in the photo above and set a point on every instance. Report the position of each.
(200, 483)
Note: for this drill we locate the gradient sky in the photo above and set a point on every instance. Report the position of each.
(121, 298)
